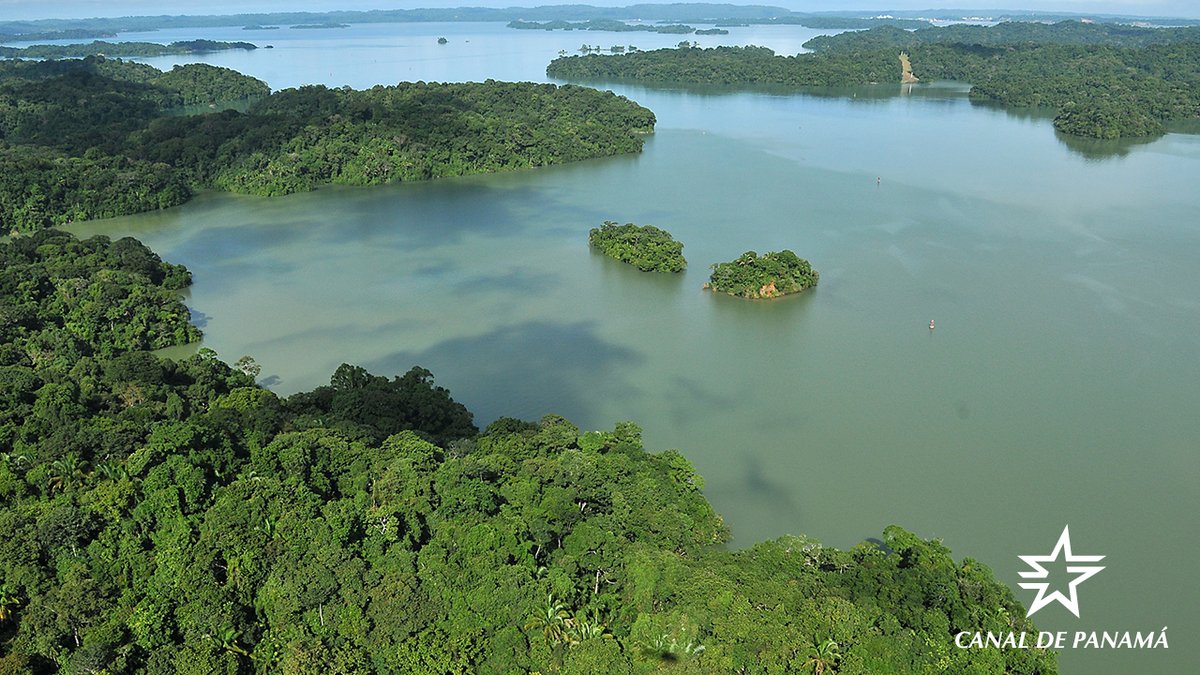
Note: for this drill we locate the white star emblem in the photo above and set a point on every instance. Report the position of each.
(1084, 572)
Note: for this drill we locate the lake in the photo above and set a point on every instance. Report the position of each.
(1059, 387)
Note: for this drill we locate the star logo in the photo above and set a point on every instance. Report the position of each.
(1082, 573)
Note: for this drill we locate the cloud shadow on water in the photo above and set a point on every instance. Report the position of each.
(525, 371)
(692, 399)
(513, 279)
(760, 498)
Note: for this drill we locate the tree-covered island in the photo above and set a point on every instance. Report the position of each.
(770, 275)
(645, 247)
(95, 137)
(164, 517)
(1104, 80)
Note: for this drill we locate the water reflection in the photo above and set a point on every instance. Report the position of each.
(1101, 149)
(864, 94)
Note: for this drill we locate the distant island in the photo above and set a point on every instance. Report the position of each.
(259, 27)
(102, 48)
(712, 31)
(1105, 80)
(21, 31)
(645, 247)
(825, 22)
(770, 275)
(609, 25)
(316, 26)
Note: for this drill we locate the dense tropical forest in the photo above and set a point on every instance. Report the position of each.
(770, 275)
(102, 48)
(173, 517)
(96, 137)
(645, 247)
(1105, 81)
(732, 66)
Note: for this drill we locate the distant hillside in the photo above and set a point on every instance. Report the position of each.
(44, 29)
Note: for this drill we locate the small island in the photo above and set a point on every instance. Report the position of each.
(645, 247)
(771, 275)
(442, 41)
(712, 31)
(318, 26)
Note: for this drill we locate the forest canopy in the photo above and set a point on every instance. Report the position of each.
(168, 516)
(98, 137)
(645, 247)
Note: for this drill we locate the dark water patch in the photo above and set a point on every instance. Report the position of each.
(524, 371)
(512, 280)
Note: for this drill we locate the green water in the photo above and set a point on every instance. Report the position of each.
(1060, 386)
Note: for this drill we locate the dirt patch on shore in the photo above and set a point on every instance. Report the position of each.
(906, 73)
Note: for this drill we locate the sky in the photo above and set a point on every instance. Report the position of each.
(32, 9)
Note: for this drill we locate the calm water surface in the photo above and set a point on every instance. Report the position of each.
(1060, 386)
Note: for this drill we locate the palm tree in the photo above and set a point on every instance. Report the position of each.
(672, 651)
(228, 639)
(65, 472)
(586, 629)
(112, 470)
(824, 657)
(553, 621)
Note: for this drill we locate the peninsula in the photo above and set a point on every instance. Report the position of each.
(96, 137)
